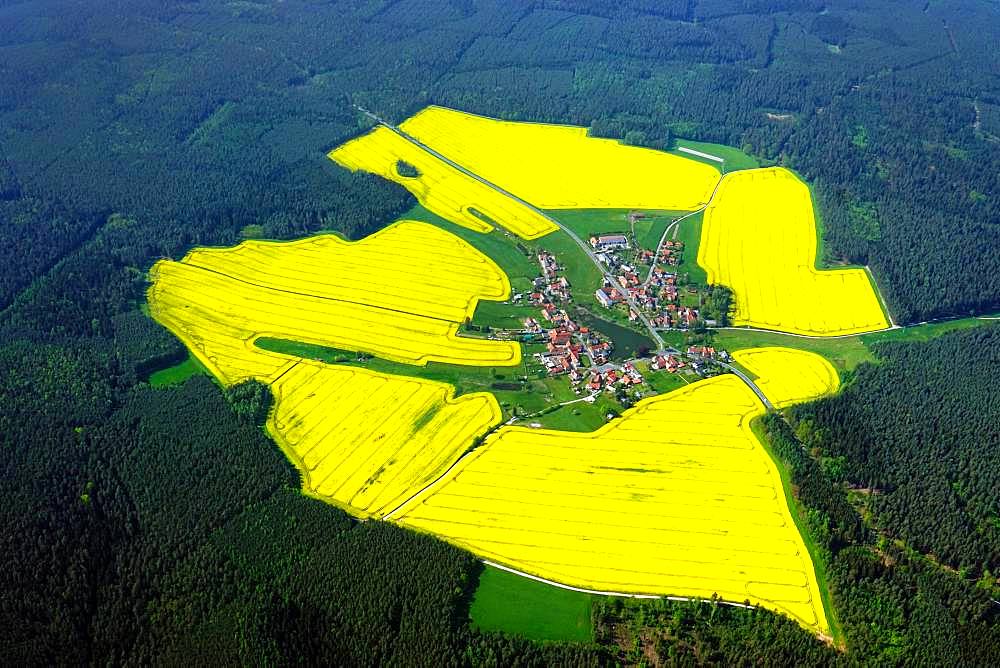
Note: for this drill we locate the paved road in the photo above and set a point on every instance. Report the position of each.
(753, 386)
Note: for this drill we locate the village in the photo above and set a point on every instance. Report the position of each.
(584, 355)
(660, 295)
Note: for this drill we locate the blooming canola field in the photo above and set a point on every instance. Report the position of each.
(560, 167)
(787, 376)
(759, 239)
(440, 187)
(363, 440)
(399, 294)
(676, 497)
(369, 441)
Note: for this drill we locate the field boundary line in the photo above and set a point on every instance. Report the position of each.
(878, 295)
(598, 592)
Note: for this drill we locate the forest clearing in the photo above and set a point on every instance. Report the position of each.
(759, 239)
(677, 497)
(385, 445)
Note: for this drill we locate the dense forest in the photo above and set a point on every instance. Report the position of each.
(918, 436)
(145, 525)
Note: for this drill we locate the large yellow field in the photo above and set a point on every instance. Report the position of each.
(676, 497)
(440, 187)
(788, 376)
(399, 294)
(368, 441)
(560, 167)
(759, 239)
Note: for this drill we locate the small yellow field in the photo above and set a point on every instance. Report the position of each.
(368, 441)
(440, 187)
(675, 497)
(788, 376)
(759, 239)
(399, 294)
(560, 167)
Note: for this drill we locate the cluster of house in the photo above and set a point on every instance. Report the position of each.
(667, 362)
(567, 344)
(565, 341)
(670, 252)
(676, 317)
(581, 353)
(658, 298)
(699, 358)
(550, 287)
(708, 352)
(608, 377)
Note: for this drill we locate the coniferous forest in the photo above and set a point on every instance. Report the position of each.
(147, 525)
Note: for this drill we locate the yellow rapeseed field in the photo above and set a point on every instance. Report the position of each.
(440, 187)
(368, 441)
(759, 239)
(399, 294)
(363, 440)
(560, 167)
(676, 497)
(788, 376)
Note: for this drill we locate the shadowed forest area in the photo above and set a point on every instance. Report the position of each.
(161, 525)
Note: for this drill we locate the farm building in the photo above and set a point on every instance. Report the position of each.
(609, 241)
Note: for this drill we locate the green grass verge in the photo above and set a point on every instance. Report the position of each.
(661, 381)
(580, 271)
(689, 231)
(580, 416)
(844, 353)
(734, 157)
(177, 374)
(648, 230)
(798, 516)
(504, 315)
(513, 604)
